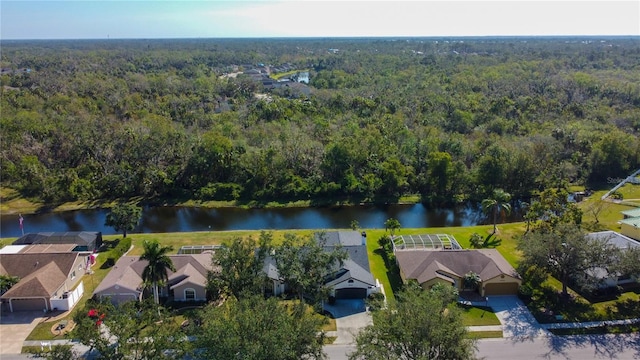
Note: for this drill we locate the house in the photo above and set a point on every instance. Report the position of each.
(633, 213)
(630, 227)
(84, 240)
(187, 283)
(352, 280)
(429, 267)
(620, 241)
(47, 280)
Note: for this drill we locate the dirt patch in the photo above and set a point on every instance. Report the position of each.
(62, 327)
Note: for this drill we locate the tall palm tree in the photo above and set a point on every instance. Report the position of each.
(498, 203)
(160, 263)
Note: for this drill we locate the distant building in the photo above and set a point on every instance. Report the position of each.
(620, 241)
(631, 227)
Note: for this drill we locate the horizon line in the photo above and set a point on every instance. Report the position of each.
(332, 37)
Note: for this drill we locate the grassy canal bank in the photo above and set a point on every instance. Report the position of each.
(390, 280)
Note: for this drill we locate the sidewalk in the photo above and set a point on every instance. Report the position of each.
(590, 324)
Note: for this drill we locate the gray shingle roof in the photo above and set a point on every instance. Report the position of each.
(69, 237)
(614, 238)
(357, 263)
(346, 238)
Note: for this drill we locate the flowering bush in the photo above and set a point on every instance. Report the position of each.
(93, 313)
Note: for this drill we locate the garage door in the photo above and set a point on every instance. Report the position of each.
(351, 293)
(501, 289)
(28, 304)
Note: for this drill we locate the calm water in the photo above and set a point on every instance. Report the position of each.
(177, 219)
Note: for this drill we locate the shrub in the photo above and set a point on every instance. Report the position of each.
(616, 195)
(122, 247)
(375, 301)
(384, 242)
(476, 241)
(220, 191)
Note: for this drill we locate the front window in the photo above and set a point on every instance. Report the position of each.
(189, 294)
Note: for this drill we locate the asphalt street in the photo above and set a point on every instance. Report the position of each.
(623, 347)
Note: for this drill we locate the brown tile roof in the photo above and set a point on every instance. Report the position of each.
(21, 265)
(425, 265)
(41, 274)
(127, 272)
(48, 248)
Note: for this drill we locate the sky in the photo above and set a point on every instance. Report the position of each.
(89, 19)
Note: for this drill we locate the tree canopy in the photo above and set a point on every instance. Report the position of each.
(446, 119)
(305, 263)
(123, 217)
(238, 267)
(130, 331)
(419, 325)
(256, 328)
(569, 255)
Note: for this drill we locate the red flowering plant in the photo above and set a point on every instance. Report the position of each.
(94, 314)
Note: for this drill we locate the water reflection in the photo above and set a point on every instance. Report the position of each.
(178, 219)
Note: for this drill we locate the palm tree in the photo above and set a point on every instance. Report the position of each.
(392, 225)
(498, 203)
(160, 263)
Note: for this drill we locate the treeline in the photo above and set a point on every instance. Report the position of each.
(449, 119)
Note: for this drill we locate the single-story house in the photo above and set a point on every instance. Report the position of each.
(188, 283)
(630, 228)
(620, 241)
(46, 280)
(353, 280)
(84, 240)
(429, 267)
(633, 213)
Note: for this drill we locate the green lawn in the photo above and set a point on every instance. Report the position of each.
(478, 316)
(609, 215)
(630, 191)
(579, 310)
(278, 76)
(42, 331)
(484, 334)
(6, 241)
(614, 329)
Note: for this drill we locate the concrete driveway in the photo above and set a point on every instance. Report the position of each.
(14, 329)
(351, 315)
(515, 317)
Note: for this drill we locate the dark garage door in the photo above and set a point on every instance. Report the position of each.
(501, 289)
(351, 293)
(27, 304)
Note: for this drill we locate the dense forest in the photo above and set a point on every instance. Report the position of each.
(448, 119)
